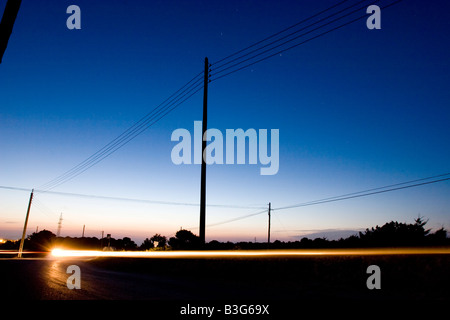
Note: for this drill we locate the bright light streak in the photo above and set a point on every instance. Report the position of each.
(167, 254)
(9, 252)
(246, 253)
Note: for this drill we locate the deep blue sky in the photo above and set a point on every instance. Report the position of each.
(356, 109)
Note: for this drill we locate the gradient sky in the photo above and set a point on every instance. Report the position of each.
(356, 109)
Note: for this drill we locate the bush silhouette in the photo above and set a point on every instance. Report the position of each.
(185, 240)
(396, 234)
(40, 241)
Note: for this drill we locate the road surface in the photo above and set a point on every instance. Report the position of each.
(242, 278)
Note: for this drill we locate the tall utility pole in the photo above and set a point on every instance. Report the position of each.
(268, 231)
(203, 173)
(25, 226)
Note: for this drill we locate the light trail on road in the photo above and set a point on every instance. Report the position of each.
(248, 253)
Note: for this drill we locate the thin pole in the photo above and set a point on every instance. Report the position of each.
(25, 226)
(58, 231)
(268, 231)
(6, 25)
(203, 170)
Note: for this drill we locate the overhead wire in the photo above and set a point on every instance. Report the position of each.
(288, 35)
(369, 192)
(91, 196)
(237, 218)
(358, 195)
(279, 32)
(361, 192)
(233, 219)
(125, 137)
(195, 85)
(176, 99)
(43, 208)
(214, 78)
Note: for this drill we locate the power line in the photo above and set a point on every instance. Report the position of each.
(393, 187)
(369, 192)
(43, 208)
(237, 218)
(70, 194)
(194, 85)
(279, 32)
(117, 147)
(143, 124)
(176, 99)
(358, 195)
(124, 138)
(360, 192)
(233, 219)
(253, 57)
(293, 46)
(288, 35)
(15, 188)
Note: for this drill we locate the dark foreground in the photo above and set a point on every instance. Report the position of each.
(289, 281)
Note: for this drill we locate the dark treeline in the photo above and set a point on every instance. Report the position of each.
(46, 240)
(392, 234)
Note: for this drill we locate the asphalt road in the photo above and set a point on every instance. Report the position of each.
(46, 279)
(414, 277)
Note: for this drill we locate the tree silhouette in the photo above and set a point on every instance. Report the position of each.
(390, 234)
(124, 244)
(396, 234)
(439, 237)
(146, 244)
(157, 239)
(41, 241)
(185, 240)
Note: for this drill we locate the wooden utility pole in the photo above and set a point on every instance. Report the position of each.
(203, 170)
(25, 226)
(268, 231)
(6, 25)
(82, 235)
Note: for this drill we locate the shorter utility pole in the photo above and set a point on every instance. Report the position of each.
(25, 226)
(82, 235)
(268, 231)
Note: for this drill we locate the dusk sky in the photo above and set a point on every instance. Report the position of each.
(356, 109)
